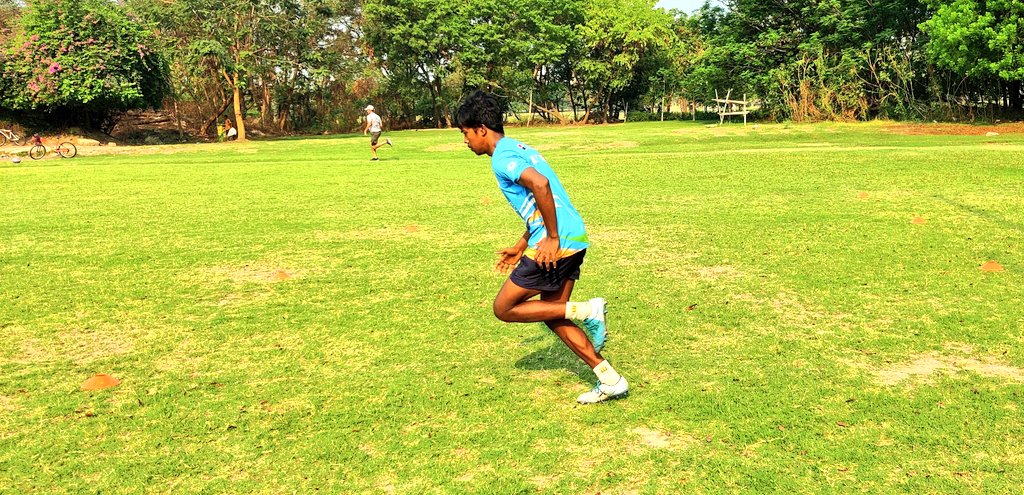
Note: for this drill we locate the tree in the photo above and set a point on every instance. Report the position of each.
(815, 59)
(220, 43)
(315, 57)
(416, 42)
(9, 13)
(979, 39)
(673, 63)
(10, 10)
(83, 61)
(523, 48)
(615, 37)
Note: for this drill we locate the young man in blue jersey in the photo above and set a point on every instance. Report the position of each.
(546, 260)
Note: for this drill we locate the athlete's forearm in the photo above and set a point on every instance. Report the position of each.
(541, 189)
(523, 242)
(546, 206)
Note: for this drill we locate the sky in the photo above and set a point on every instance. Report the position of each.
(687, 6)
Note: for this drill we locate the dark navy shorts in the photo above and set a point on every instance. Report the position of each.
(530, 275)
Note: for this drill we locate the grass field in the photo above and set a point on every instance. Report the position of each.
(289, 317)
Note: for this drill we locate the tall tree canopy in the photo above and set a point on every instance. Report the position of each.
(310, 65)
(980, 39)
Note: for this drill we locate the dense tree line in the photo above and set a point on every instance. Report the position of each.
(310, 65)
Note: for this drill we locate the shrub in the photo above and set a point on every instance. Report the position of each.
(86, 57)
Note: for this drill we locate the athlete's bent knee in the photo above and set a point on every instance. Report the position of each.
(502, 311)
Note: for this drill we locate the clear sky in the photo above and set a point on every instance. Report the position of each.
(687, 6)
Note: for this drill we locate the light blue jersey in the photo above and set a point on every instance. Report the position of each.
(508, 162)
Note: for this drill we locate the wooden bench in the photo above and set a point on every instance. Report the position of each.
(731, 107)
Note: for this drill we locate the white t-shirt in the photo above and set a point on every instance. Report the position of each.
(374, 121)
(232, 132)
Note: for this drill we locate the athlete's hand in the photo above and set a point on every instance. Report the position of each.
(508, 258)
(547, 253)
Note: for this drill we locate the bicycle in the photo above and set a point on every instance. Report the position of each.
(9, 135)
(65, 149)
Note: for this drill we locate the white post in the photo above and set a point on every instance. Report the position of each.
(528, 122)
(664, 88)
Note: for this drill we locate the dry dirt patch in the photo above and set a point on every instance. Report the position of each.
(659, 439)
(653, 438)
(954, 129)
(792, 310)
(925, 367)
(8, 404)
(85, 345)
(543, 483)
(256, 273)
(716, 272)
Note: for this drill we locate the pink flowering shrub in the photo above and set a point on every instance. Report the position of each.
(82, 54)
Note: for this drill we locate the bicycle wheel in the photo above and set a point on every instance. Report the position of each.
(18, 140)
(67, 150)
(3, 139)
(38, 151)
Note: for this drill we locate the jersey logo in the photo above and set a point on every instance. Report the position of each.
(521, 146)
(511, 166)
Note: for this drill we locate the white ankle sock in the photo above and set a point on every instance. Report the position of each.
(578, 310)
(606, 374)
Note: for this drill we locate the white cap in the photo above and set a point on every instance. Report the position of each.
(368, 107)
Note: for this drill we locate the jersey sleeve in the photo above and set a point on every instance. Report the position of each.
(510, 166)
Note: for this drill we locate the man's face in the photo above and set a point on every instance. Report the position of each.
(474, 138)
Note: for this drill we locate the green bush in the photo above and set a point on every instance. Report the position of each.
(86, 57)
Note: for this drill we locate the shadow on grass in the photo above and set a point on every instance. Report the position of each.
(552, 357)
(981, 213)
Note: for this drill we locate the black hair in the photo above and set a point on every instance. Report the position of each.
(481, 108)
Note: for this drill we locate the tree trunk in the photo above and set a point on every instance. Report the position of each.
(528, 122)
(225, 102)
(444, 104)
(282, 118)
(1016, 98)
(265, 103)
(572, 102)
(236, 98)
(177, 116)
(437, 108)
(239, 117)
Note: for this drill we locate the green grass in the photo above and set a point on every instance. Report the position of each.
(833, 345)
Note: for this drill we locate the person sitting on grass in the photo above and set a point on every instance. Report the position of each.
(230, 133)
(546, 260)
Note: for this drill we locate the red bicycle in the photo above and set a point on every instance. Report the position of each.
(66, 149)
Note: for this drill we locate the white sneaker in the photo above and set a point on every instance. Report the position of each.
(387, 141)
(595, 325)
(603, 392)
